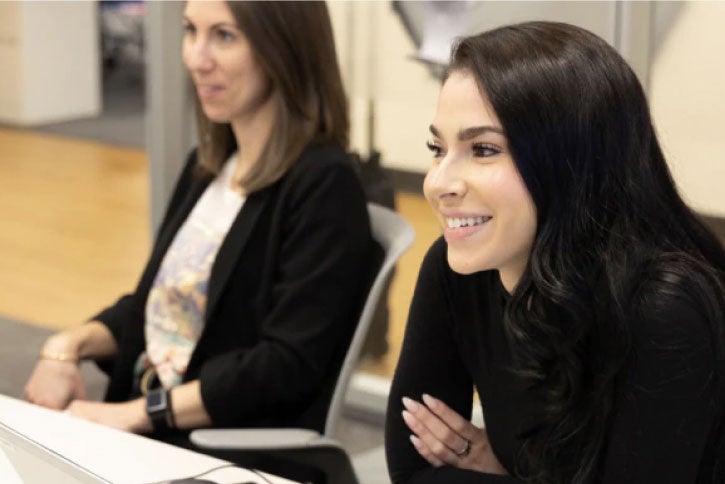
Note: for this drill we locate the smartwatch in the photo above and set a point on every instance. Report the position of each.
(158, 408)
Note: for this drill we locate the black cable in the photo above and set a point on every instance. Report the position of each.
(259, 474)
(167, 481)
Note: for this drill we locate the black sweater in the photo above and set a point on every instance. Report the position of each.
(665, 424)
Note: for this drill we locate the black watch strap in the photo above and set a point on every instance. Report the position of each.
(158, 408)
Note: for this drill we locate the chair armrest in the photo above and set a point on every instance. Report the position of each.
(324, 457)
(260, 439)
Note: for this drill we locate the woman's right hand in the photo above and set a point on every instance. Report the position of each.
(442, 436)
(54, 383)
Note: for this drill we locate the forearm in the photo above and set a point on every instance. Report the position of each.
(188, 407)
(131, 416)
(88, 341)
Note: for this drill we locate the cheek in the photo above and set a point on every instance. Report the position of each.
(510, 187)
(515, 201)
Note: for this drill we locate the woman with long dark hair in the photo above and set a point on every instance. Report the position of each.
(248, 302)
(573, 288)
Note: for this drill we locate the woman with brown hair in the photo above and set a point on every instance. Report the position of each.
(252, 291)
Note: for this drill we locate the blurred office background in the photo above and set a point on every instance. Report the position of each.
(95, 121)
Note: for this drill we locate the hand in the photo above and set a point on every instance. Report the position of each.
(443, 437)
(129, 416)
(55, 383)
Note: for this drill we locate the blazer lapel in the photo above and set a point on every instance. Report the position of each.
(232, 246)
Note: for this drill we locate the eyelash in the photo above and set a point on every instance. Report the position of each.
(223, 35)
(433, 148)
(480, 150)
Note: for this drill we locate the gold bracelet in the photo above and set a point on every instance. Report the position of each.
(52, 355)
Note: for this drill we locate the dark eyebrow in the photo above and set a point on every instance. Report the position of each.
(215, 26)
(469, 133)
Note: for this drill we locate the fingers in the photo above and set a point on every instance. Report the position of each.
(435, 436)
(427, 445)
(451, 418)
(52, 384)
(425, 452)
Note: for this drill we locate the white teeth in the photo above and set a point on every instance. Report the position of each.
(455, 222)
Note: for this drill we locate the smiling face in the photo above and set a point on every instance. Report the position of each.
(487, 214)
(229, 81)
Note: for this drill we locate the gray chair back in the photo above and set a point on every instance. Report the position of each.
(395, 235)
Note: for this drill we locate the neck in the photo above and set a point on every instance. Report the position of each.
(252, 132)
(510, 277)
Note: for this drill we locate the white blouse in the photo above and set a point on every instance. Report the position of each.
(177, 300)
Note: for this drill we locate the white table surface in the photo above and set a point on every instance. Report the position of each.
(119, 457)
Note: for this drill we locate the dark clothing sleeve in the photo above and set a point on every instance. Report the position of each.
(312, 309)
(665, 410)
(430, 362)
(665, 423)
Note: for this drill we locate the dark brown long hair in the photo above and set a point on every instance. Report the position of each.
(613, 234)
(293, 43)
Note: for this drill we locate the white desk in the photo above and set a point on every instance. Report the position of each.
(116, 456)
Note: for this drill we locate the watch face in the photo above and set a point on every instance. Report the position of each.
(155, 401)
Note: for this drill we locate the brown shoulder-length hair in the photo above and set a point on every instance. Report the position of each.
(294, 44)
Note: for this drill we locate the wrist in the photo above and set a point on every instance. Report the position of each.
(142, 421)
(56, 356)
(159, 410)
(60, 347)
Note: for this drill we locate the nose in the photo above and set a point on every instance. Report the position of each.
(445, 180)
(197, 55)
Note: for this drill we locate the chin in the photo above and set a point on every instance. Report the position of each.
(216, 116)
(464, 265)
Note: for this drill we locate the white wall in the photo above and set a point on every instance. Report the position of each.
(377, 59)
(50, 57)
(687, 96)
(10, 60)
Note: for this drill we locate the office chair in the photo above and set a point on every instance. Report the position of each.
(304, 446)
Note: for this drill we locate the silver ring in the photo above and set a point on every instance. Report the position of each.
(466, 450)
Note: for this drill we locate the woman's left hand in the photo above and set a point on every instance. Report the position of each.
(444, 437)
(129, 416)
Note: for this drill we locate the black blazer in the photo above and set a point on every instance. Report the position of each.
(284, 295)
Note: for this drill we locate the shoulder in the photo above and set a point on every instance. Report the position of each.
(676, 315)
(676, 341)
(321, 166)
(320, 158)
(324, 153)
(676, 288)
